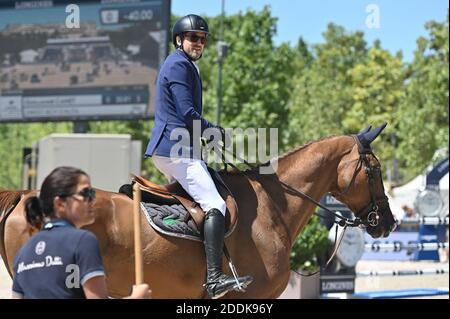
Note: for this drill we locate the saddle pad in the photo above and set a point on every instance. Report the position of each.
(171, 220)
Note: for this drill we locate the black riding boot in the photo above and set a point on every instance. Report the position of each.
(218, 283)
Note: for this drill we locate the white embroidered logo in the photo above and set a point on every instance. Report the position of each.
(40, 247)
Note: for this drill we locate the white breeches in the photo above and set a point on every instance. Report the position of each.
(193, 176)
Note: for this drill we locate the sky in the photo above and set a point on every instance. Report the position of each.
(400, 22)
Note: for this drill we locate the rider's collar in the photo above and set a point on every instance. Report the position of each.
(60, 222)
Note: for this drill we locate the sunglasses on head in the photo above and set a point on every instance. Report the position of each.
(194, 38)
(87, 193)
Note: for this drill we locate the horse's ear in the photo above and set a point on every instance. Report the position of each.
(367, 129)
(372, 135)
(367, 135)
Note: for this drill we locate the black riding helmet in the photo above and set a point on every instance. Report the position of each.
(191, 22)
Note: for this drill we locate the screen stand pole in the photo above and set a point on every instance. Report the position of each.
(80, 126)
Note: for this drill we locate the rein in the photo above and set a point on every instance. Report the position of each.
(343, 222)
(371, 209)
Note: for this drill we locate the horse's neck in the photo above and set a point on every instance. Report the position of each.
(312, 170)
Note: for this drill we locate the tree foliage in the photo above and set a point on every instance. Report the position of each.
(257, 75)
(423, 127)
(322, 93)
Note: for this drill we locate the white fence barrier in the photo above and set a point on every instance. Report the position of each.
(424, 221)
(415, 272)
(398, 246)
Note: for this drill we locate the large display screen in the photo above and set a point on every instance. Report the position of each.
(80, 60)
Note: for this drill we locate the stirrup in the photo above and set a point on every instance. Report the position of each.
(239, 287)
(233, 285)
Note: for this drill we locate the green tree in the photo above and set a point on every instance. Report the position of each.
(424, 118)
(322, 95)
(377, 90)
(256, 76)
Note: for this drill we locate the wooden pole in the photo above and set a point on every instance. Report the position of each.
(138, 261)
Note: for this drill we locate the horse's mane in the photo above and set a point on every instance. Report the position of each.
(280, 157)
(300, 148)
(9, 198)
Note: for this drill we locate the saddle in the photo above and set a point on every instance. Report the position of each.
(173, 194)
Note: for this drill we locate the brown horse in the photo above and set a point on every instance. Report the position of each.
(271, 217)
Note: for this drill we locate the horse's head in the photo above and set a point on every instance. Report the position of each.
(360, 185)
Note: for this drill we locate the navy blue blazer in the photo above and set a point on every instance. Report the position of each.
(178, 104)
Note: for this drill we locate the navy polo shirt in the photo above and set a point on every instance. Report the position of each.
(56, 262)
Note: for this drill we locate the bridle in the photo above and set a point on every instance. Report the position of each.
(371, 211)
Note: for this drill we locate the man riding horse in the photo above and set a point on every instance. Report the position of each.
(178, 106)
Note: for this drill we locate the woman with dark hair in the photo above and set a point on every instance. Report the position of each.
(62, 260)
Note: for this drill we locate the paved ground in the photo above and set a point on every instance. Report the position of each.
(362, 284)
(5, 282)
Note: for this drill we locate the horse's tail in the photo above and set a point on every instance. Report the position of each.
(9, 199)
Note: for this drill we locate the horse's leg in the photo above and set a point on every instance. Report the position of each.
(175, 267)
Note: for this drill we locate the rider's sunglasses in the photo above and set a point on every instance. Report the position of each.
(194, 38)
(87, 193)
